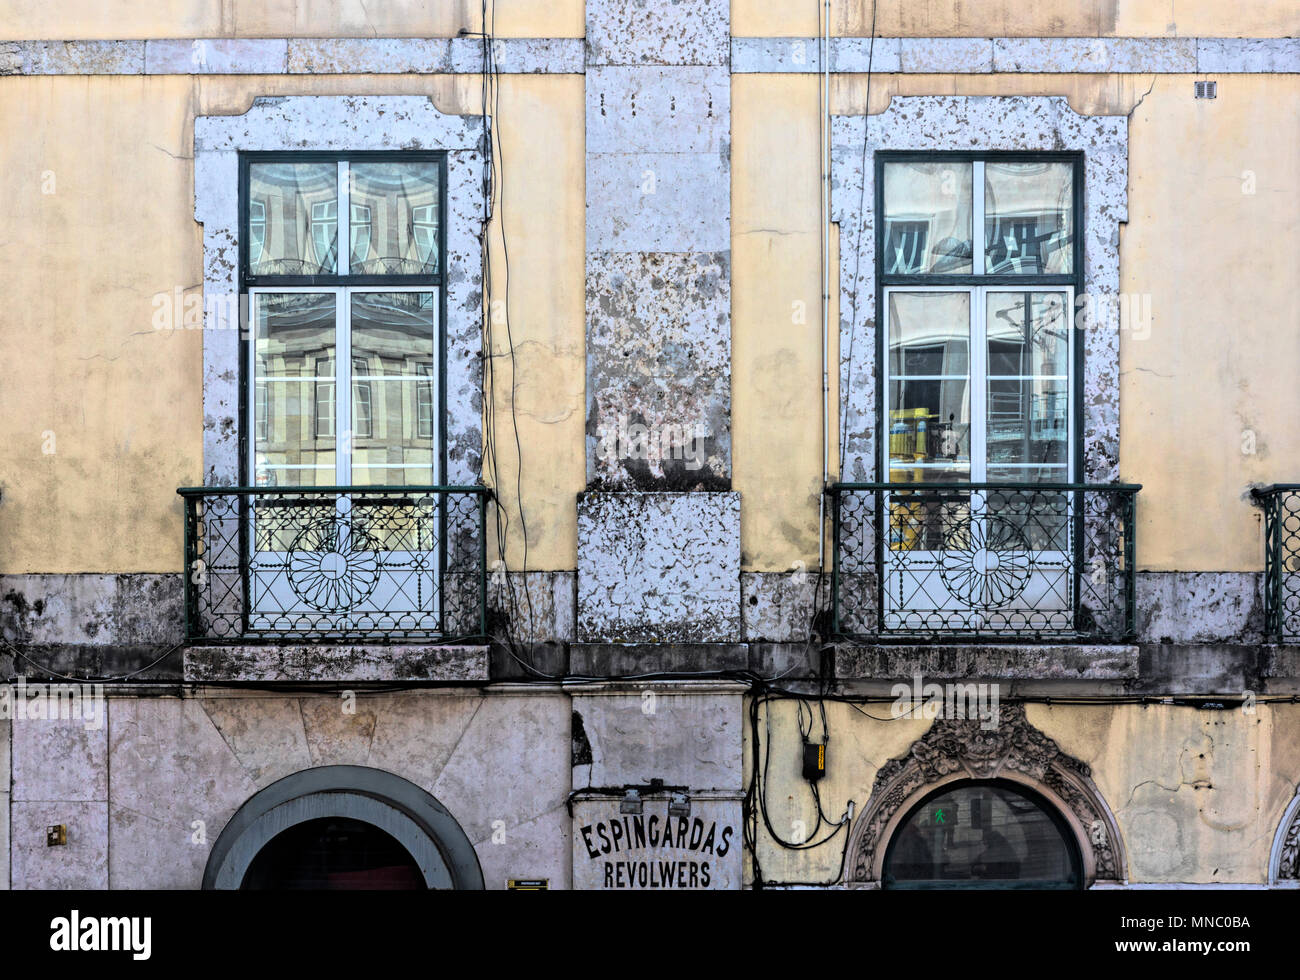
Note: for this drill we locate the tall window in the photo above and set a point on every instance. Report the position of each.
(980, 263)
(344, 333)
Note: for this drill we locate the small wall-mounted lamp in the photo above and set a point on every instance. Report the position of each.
(679, 805)
(631, 803)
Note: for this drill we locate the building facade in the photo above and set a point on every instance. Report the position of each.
(650, 444)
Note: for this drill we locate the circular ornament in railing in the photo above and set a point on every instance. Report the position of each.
(333, 566)
(990, 564)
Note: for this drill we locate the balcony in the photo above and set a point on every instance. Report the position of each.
(335, 564)
(978, 562)
(1281, 503)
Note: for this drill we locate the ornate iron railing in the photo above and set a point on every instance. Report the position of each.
(335, 563)
(1281, 503)
(956, 562)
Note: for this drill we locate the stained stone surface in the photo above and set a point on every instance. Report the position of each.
(1073, 55)
(658, 110)
(659, 567)
(658, 239)
(780, 606)
(659, 32)
(286, 661)
(687, 733)
(1200, 607)
(980, 123)
(1096, 54)
(91, 609)
(181, 767)
(1247, 54)
(81, 863)
(945, 54)
(83, 57)
(659, 356)
(658, 202)
(216, 56)
(338, 123)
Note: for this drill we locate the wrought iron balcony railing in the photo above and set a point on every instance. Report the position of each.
(1281, 503)
(335, 563)
(962, 562)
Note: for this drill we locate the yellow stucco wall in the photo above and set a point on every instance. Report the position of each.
(1208, 397)
(1009, 18)
(120, 403)
(22, 20)
(1197, 795)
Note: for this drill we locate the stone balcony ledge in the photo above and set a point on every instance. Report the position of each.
(335, 662)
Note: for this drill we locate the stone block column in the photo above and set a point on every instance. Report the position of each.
(659, 528)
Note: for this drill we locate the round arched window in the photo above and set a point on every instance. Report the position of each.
(983, 835)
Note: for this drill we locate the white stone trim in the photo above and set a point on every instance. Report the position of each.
(340, 123)
(978, 123)
(291, 56)
(986, 55)
(566, 55)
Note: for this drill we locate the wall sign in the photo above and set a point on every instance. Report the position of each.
(653, 851)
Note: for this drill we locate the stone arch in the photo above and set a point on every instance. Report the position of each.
(1284, 859)
(958, 750)
(422, 825)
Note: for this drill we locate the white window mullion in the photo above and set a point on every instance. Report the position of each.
(343, 387)
(1073, 380)
(979, 385)
(343, 260)
(977, 218)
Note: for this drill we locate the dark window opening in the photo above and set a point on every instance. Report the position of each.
(333, 854)
(983, 835)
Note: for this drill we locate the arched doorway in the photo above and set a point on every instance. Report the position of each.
(342, 827)
(982, 834)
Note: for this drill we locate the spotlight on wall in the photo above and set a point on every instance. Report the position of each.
(631, 803)
(679, 805)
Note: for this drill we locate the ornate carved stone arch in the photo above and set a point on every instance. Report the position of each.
(1284, 861)
(954, 750)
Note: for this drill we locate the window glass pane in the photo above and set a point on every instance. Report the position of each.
(1028, 386)
(393, 337)
(293, 218)
(395, 218)
(1028, 218)
(294, 338)
(978, 834)
(1037, 344)
(929, 388)
(927, 218)
(929, 334)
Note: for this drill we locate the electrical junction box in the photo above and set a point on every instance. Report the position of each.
(814, 761)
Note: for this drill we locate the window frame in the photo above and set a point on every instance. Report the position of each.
(1008, 282)
(433, 282)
